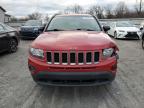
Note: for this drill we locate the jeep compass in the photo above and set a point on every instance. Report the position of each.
(73, 50)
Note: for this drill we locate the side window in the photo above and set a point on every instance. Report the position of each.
(1, 28)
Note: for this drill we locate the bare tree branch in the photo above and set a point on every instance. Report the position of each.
(96, 10)
(109, 11)
(121, 9)
(35, 16)
(74, 9)
(139, 6)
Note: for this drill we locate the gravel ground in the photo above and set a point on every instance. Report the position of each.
(17, 89)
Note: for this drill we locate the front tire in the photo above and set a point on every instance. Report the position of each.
(143, 43)
(12, 46)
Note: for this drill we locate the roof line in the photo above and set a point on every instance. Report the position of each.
(2, 9)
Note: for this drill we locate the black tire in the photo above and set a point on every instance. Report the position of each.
(12, 45)
(115, 35)
(143, 43)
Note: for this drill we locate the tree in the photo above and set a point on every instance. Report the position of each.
(74, 9)
(139, 7)
(77, 9)
(121, 9)
(68, 10)
(13, 19)
(96, 10)
(46, 18)
(109, 11)
(35, 16)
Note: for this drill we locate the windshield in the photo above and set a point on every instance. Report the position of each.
(33, 23)
(74, 23)
(124, 24)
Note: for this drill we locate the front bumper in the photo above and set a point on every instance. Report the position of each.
(86, 75)
(129, 35)
(73, 78)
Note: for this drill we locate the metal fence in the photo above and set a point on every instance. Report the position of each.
(16, 24)
(136, 21)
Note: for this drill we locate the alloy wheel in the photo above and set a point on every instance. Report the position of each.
(12, 45)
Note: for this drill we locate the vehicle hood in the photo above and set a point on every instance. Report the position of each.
(127, 28)
(73, 40)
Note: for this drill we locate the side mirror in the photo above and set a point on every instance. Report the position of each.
(106, 28)
(141, 28)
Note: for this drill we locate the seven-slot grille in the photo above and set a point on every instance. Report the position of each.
(72, 58)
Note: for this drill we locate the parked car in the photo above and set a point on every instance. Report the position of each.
(9, 38)
(143, 41)
(73, 50)
(124, 29)
(142, 25)
(31, 29)
(142, 29)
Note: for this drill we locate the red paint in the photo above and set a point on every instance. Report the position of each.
(78, 40)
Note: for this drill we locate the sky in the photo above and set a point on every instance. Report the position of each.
(20, 8)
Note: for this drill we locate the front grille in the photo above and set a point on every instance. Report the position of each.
(132, 35)
(49, 57)
(89, 57)
(80, 58)
(56, 58)
(64, 58)
(72, 58)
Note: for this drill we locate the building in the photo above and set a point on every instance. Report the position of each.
(7, 18)
(4, 17)
(2, 14)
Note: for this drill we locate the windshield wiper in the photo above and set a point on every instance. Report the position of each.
(85, 29)
(55, 30)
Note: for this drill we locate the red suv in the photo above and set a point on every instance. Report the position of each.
(73, 50)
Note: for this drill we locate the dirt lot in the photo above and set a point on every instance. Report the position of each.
(17, 89)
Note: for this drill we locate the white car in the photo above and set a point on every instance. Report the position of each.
(142, 25)
(124, 29)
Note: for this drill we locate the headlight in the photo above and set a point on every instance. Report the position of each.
(108, 52)
(37, 53)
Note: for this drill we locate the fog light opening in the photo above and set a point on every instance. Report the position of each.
(32, 68)
(114, 67)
